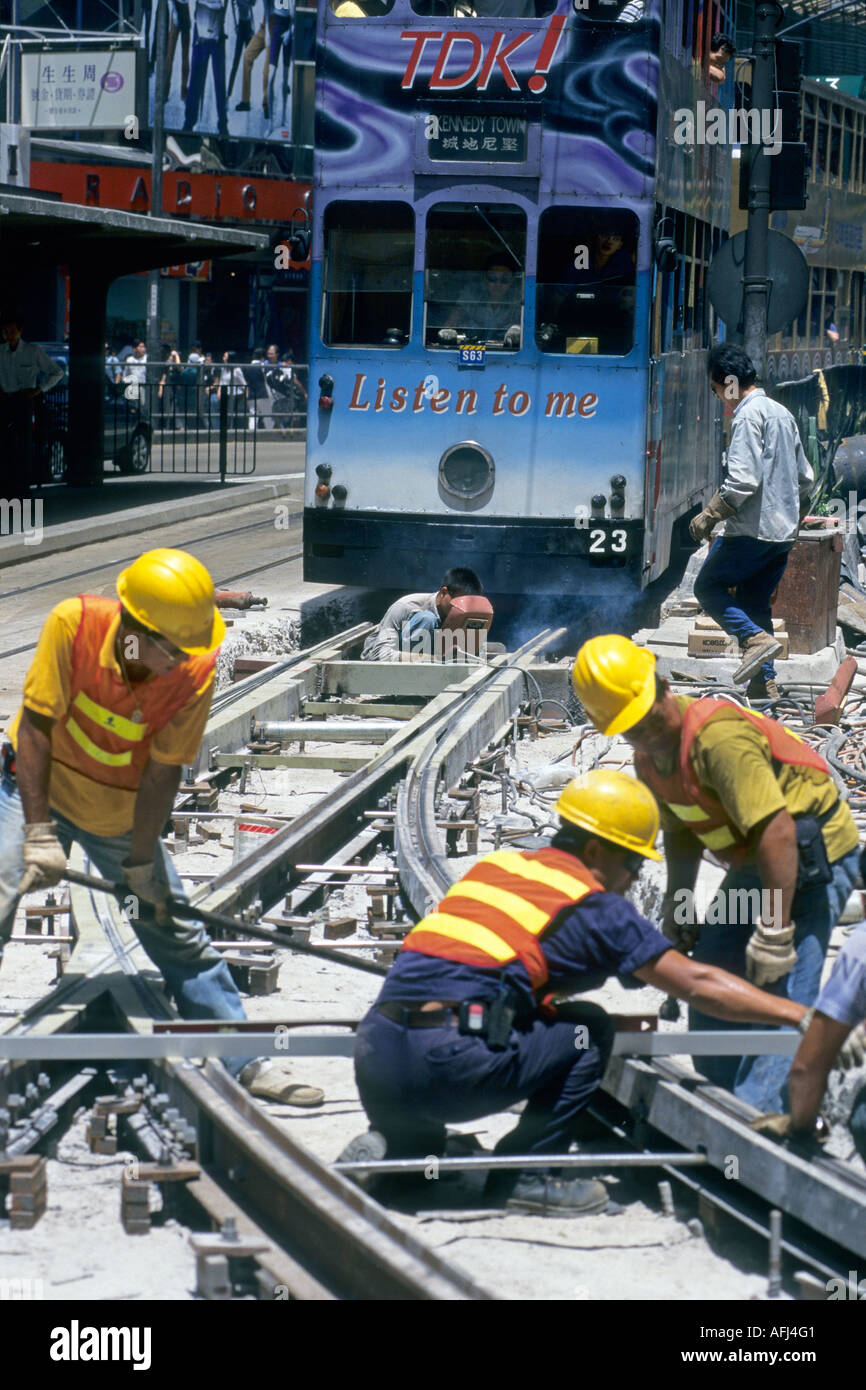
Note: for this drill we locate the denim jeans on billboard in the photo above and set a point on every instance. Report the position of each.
(753, 569)
(762, 1081)
(194, 971)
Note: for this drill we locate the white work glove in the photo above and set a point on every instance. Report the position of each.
(512, 337)
(852, 1053)
(682, 936)
(142, 882)
(44, 858)
(447, 335)
(770, 954)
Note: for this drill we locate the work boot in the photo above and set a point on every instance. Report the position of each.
(267, 1080)
(242, 106)
(548, 1196)
(760, 689)
(755, 651)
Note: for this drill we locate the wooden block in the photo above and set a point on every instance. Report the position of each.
(338, 927)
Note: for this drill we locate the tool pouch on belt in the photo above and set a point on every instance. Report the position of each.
(813, 866)
(492, 1022)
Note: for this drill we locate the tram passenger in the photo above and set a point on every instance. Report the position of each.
(489, 308)
(835, 1040)
(408, 619)
(464, 1026)
(115, 704)
(588, 303)
(764, 803)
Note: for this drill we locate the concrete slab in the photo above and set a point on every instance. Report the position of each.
(670, 644)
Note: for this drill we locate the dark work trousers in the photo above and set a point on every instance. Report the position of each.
(17, 462)
(413, 1081)
(753, 569)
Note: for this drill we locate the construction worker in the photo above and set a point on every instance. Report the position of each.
(464, 1025)
(741, 786)
(409, 623)
(115, 703)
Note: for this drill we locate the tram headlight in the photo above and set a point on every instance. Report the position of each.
(466, 474)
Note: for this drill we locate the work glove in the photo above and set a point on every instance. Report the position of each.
(44, 858)
(447, 335)
(512, 336)
(142, 882)
(682, 936)
(852, 1053)
(701, 527)
(770, 954)
(778, 1128)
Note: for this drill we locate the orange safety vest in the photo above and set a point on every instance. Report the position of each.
(106, 731)
(499, 911)
(683, 794)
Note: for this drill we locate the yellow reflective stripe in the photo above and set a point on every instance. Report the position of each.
(458, 929)
(524, 913)
(537, 872)
(687, 812)
(717, 839)
(107, 719)
(94, 751)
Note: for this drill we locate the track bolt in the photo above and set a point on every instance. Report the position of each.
(229, 1229)
(43, 1081)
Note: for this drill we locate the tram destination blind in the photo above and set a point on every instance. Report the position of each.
(475, 137)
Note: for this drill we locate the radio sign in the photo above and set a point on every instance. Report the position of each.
(476, 138)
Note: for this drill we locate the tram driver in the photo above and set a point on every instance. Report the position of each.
(489, 307)
(588, 304)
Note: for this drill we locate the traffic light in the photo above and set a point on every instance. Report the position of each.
(788, 167)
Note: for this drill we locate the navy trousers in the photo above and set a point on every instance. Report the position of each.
(753, 569)
(413, 1081)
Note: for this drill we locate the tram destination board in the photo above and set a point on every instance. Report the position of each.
(470, 137)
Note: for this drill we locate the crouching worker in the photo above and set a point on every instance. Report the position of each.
(115, 703)
(409, 625)
(464, 1028)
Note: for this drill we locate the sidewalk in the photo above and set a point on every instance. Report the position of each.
(62, 518)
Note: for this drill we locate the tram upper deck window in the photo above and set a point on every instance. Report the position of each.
(367, 284)
(474, 276)
(585, 285)
(361, 9)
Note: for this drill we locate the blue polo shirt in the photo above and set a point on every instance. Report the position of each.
(844, 995)
(584, 945)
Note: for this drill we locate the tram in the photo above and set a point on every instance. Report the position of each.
(510, 248)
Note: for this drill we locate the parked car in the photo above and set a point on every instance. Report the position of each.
(126, 430)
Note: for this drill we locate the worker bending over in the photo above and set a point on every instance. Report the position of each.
(409, 622)
(465, 1027)
(115, 703)
(742, 787)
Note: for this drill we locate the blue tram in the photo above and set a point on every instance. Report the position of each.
(510, 250)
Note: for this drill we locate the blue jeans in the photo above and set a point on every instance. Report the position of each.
(194, 971)
(762, 1081)
(412, 1081)
(753, 569)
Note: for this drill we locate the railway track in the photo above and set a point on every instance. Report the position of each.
(268, 1217)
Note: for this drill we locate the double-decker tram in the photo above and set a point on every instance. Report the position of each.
(509, 258)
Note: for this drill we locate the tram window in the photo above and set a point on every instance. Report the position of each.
(585, 283)
(361, 9)
(474, 276)
(367, 288)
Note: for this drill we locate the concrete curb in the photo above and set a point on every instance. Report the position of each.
(69, 535)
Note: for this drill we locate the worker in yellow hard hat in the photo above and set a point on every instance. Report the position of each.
(115, 703)
(739, 786)
(465, 1025)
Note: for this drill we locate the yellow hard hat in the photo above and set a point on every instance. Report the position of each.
(615, 807)
(615, 681)
(172, 593)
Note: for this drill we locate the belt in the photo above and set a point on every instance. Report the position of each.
(410, 1016)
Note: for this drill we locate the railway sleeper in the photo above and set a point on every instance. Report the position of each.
(26, 1179)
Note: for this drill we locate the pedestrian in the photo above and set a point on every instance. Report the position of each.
(115, 704)
(234, 386)
(257, 389)
(738, 785)
(27, 373)
(195, 400)
(112, 369)
(208, 48)
(467, 1023)
(170, 389)
(210, 375)
(766, 489)
(410, 620)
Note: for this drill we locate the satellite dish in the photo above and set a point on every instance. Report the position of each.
(788, 273)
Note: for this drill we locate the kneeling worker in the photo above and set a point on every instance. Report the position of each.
(115, 703)
(463, 1026)
(764, 804)
(457, 604)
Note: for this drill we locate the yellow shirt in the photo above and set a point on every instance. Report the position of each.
(100, 809)
(732, 762)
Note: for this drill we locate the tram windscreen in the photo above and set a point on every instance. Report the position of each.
(585, 283)
(367, 280)
(473, 289)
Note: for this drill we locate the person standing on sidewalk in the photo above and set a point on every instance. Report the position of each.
(768, 476)
(26, 374)
(115, 704)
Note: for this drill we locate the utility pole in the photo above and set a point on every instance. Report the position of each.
(756, 281)
(154, 314)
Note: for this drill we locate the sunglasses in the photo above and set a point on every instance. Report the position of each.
(173, 653)
(633, 863)
(497, 277)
